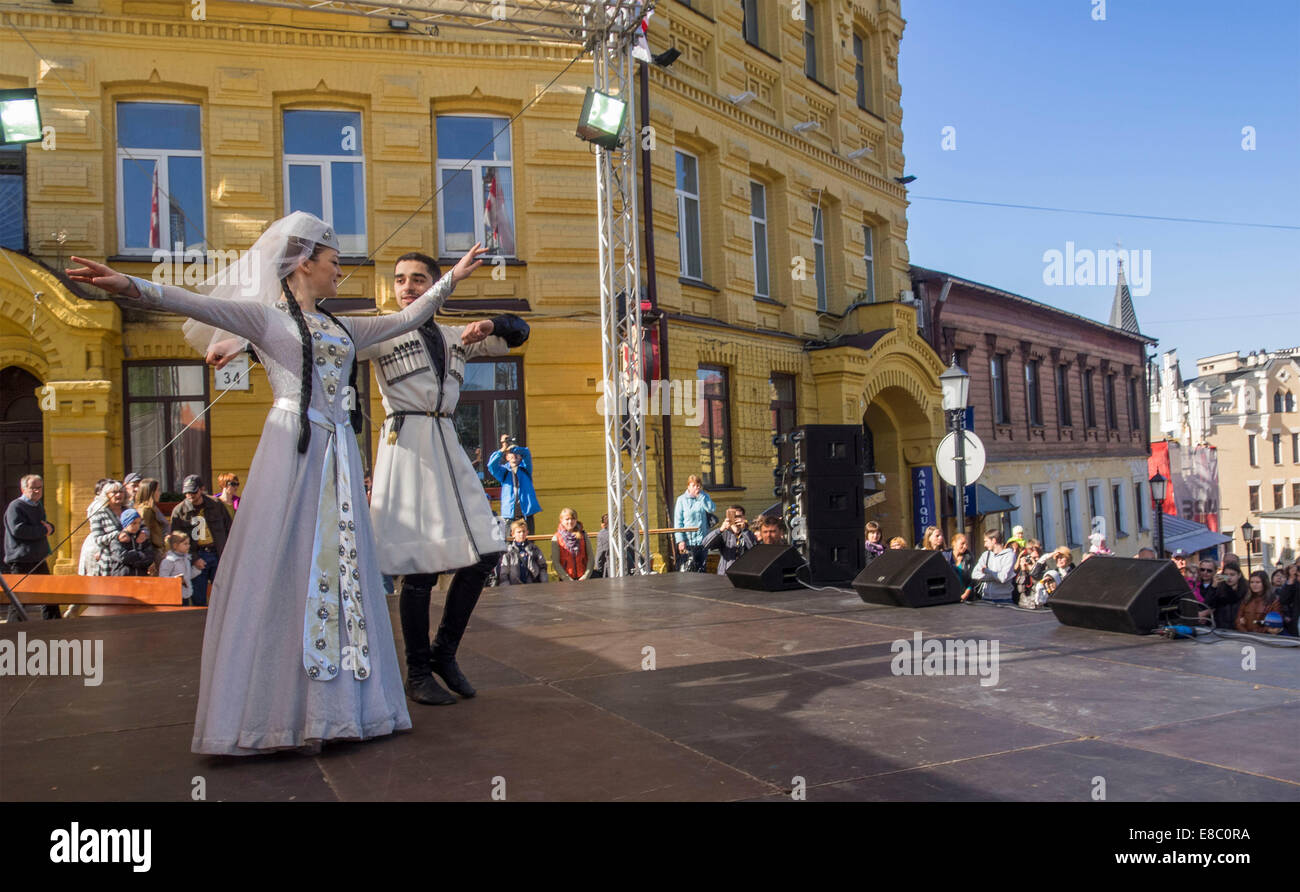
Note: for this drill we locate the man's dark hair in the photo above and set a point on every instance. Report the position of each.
(435, 271)
(996, 536)
(770, 520)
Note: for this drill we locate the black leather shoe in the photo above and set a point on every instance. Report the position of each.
(425, 689)
(451, 675)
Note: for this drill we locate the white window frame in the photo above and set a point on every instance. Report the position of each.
(1140, 504)
(1099, 487)
(159, 157)
(869, 259)
(758, 231)
(1049, 527)
(1276, 437)
(474, 170)
(819, 258)
(1252, 447)
(683, 196)
(1012, 494)
(1117, 508)
(1069, 514)
(351, 243)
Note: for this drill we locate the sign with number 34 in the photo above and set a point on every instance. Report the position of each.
(234, 376)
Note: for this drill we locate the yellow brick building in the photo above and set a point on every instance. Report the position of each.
(781, 263)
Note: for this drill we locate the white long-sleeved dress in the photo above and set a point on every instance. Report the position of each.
(298, 646)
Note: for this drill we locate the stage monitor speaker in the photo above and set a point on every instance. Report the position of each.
(767, 568)
(1114, 594)
(907, 577)
(829, 450)
(835, 557)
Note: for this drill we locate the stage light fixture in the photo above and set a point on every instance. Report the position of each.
(399, 24)
(602, 119)
(20, 116)
(805, 126)
(858, 153)
(742, 98)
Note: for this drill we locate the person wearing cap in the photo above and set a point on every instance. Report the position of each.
(1017, 540)
(1179, 558)
(130, 486)
(206, 522)
(137, 550)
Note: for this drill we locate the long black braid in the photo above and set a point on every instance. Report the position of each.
(304, 399)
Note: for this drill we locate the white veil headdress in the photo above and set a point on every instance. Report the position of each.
(257, 274)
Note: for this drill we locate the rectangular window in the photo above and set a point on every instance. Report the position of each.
(1068, 517)
(869, 260)
(1112, 416)
(161, 399)
(1117, 505)
(324, 172)
(1279, 495)
(758, 230)
(1040, 517)
(715, 431)
(1253, 450)
(13, 197)
(1095, 508)
(860, 69)
(1277, 449)
(1139, 505)
(160, 192)
(749, 12)
(491, 404)
(1133, 419)
(476, 201)
(1089, 406)
(819, 260)
(782, 403)
(1295, 448)
(689, 245)
(1254, 499)
(809, 41)
(1063, 395)
(1295, 493)
(998, 370)
(1034, 393)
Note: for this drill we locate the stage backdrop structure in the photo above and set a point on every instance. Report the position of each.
(609, 30)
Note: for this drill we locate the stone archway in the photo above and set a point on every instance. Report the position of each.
(902, 434)
(21, 430)
(68, 348)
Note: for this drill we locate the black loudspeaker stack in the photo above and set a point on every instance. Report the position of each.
(822, 492)
(906, 577)
(1115, 594)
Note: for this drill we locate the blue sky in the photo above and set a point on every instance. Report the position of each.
(1141, 113)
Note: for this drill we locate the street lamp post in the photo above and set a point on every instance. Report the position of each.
(956, 389)
(1247, 528)
(1158, 490)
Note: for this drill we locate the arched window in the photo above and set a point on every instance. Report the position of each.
(1290, 401)
(1277, 401)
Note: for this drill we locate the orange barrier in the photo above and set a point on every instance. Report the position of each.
(108, 595)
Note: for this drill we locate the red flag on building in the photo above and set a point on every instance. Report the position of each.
(1159, 463)
(154, 237)
(498, 217)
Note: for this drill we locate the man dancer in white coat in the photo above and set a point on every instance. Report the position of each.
(428, 508)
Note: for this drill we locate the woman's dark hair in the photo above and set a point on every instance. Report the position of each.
(304, 399)
(1264, 582)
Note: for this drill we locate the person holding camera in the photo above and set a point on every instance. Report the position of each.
(731, 538)
(512, 464)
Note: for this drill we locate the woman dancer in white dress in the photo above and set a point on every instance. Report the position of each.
(298, 646)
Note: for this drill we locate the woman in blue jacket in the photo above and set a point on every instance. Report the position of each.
(513, 466)
(693, 509)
